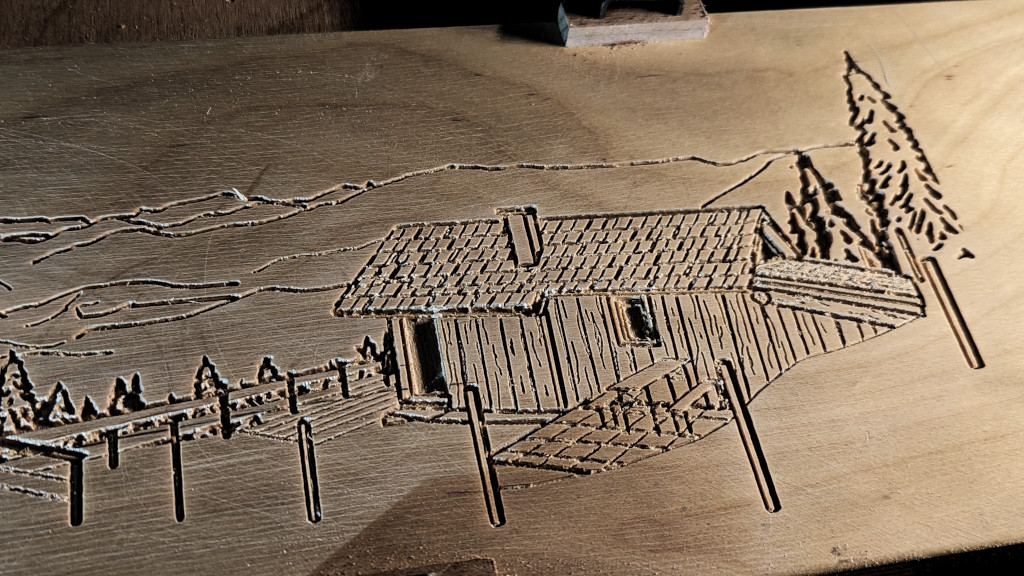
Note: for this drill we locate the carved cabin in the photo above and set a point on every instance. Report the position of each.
(544, 313)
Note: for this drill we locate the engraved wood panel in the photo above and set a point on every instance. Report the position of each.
(747, 304)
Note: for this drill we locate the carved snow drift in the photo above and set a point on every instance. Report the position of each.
(608, 328)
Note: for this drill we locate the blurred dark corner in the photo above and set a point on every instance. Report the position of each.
(62, 22)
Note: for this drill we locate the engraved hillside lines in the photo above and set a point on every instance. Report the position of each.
(33, 229)
(85, 303)
(51, 349)
(4, 313)
(898, 184)
(468, 266)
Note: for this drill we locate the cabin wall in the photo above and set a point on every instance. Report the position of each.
(507, 356)
(570, 353)
(763, 340)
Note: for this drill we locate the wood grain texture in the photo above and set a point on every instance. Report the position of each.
(198, 213)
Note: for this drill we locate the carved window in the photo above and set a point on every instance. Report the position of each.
(633, 322)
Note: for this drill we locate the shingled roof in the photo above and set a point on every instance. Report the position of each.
(471, 266)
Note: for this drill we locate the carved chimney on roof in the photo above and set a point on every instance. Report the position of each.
(524, 233)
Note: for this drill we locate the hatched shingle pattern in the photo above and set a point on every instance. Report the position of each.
(470, 266)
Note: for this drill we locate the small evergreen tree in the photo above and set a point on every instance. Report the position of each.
(268, 371)
(58, 408)
(90, 411)
(18, 402)
(208, 381)
(127, 398)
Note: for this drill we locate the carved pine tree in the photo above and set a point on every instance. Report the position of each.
(90, 411)
(899, 184)
(819, 224)
(18, 400)
(268, 371)
(208, 381)
(127, 397)
(58, 408)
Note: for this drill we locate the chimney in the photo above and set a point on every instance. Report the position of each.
(523, 230)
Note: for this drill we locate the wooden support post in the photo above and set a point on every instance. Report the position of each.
(482, 445)
(749, 436)
(949, 306)
(113, 448)
(179, 486)
(293, 400)
(310, 484)
(224, 399)
(346, 390)
(77, 489)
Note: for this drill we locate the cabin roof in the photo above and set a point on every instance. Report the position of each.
(470, 265)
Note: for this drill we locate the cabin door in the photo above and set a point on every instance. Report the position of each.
(424, 356)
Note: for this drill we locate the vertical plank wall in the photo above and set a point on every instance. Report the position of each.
(522, 363)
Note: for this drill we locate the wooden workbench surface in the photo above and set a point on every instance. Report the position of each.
(768, 210)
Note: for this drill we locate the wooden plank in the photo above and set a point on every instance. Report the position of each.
(697, 337)
(811, 335)
(762, 335)
(609, 328)
(578, 346)
(748, 353)
(721, 333)
(600, 340)
(541, 369)
(829, 331)
(850, 332)
(452, 358)
(521, 379)
(796, 333)
(667, 317)
(499, 381)
(567, 361)
(476, 366)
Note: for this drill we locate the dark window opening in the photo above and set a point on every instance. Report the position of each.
(633, 322)
(430, 363)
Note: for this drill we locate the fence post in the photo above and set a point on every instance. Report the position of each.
(113, 448)
(484, 461)
(342, 364)
(749, 436)
(949, 306)
(310, 484)
(77, 488)
(293, 400)
(179, 487)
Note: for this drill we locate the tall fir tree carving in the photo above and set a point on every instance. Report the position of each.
(820, 226)
(208, 381)
(18, 401)
(899, 185)
(127, 396)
